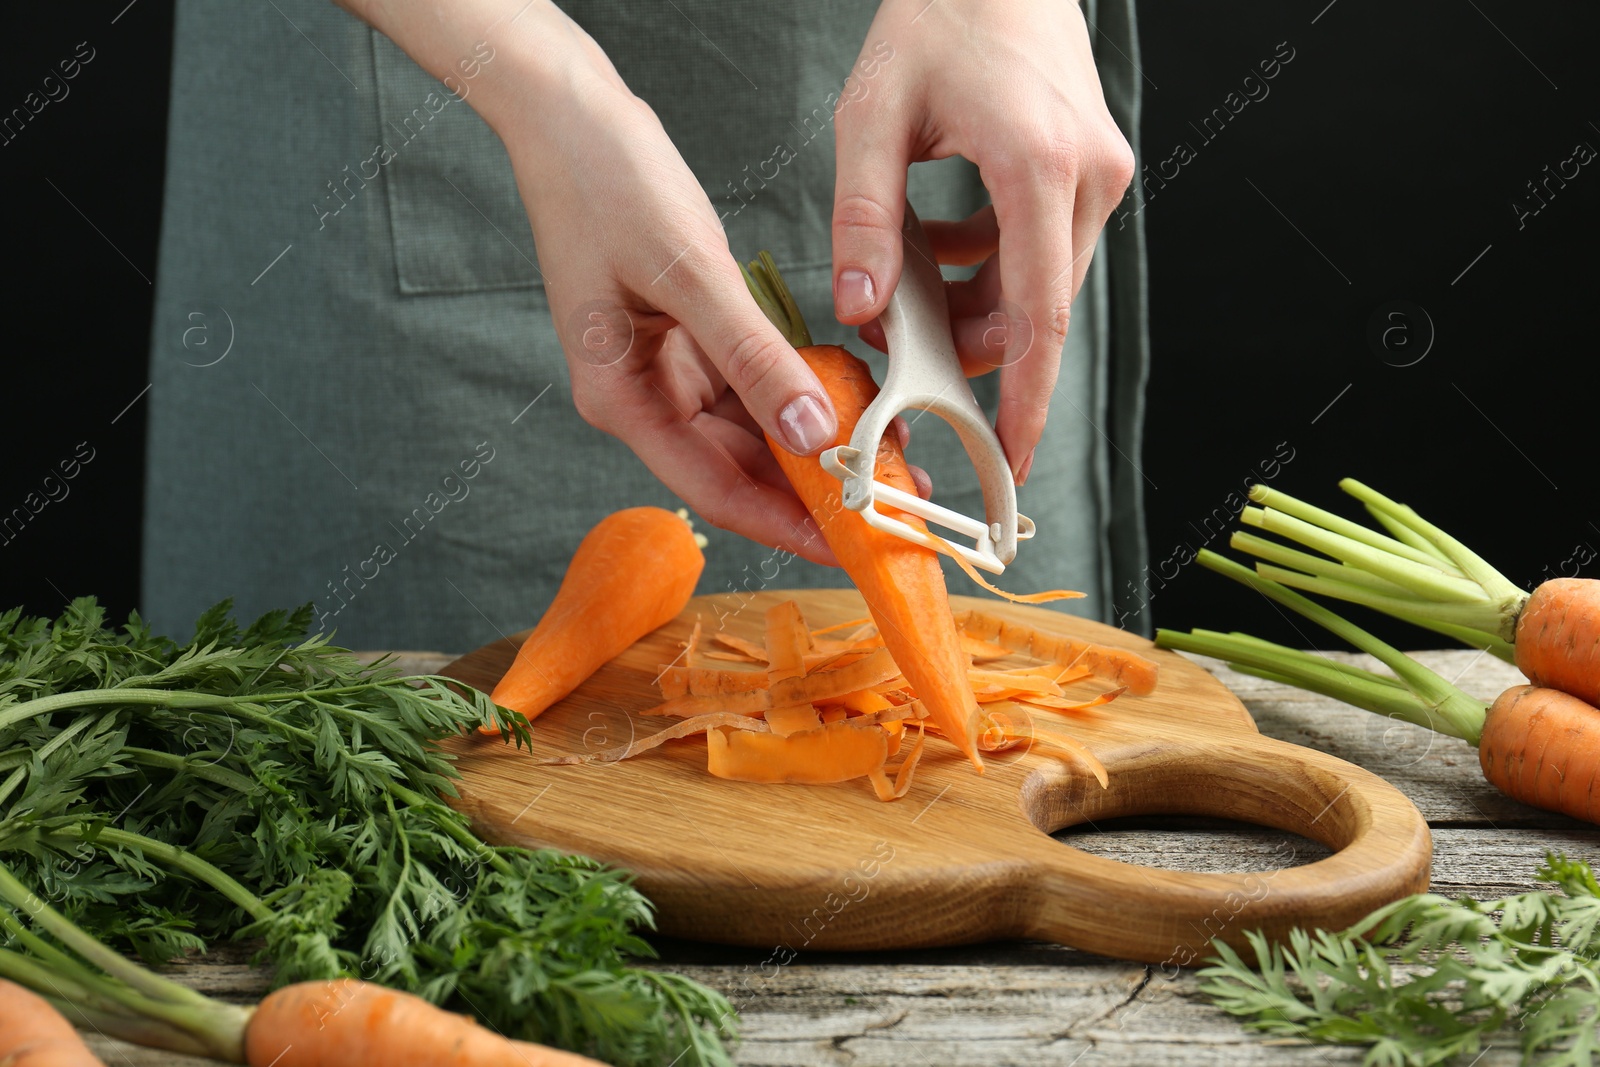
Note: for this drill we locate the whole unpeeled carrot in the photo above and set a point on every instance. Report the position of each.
(346, 1023)
(1542, 747)
(631, 574)
(33, 1033)
(1558, 637)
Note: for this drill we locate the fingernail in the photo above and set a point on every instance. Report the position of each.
(852, 293)
(807, 425)
(1027, 465)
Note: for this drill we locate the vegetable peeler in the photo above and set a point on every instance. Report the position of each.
(925, 373)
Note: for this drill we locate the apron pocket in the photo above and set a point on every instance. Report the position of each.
(454, 213)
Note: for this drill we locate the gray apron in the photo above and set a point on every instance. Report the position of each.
(358, 396)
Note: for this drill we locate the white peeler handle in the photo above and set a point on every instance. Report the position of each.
(925, 373)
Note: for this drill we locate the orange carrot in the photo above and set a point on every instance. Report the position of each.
(1540, 746)
(33, 1033)
(343, 1023)
(902, 583)
(1558, 637)
(632, 573)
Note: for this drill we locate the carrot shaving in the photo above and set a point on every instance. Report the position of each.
(1064, 704)
(793, 719)
(1046, 597)
(1118, 664)
(733, 657)
(1070, 749)
(836, 627)
(809, 708)
(982, 650)
(788, 641)
(749, 649)
(874, 669)
(998, 733)
(902, 774)
(697, 725)
(1069, 675)
(863, 700)
(705, 681)
(835, 753)
(1016, 682)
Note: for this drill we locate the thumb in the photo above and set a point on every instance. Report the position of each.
(778, 388)
(869, 198)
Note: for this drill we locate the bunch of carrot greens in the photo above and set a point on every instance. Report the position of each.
(259, 782)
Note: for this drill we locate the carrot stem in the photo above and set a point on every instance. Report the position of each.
(1474, 566)
(127, 989)
(1420, 578)
(178, 859)
(1290, 666)
(1273, 552)
(1463, 717)
(1400, 531)
(1437, 582)
(772, 295)
(1299, 509)
(113, 963)
(1351, 684)
(1311, 657)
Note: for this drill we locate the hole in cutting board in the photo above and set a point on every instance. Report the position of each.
(1198, 844)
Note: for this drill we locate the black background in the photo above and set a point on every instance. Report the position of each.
(1386, 157)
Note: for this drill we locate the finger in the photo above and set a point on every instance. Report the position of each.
(705, 293)
(978, 295)
(707, 461)
(869, 196)
(1034, 194)
(967, 241)
(872, 334)
(902, 431)
(920, 479)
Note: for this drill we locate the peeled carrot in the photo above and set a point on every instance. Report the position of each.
(632, 573)
(344, 1023)
(33, 1033)
(1558, 637)
(902, 583)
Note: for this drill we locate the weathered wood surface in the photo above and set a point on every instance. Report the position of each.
(1028, 1003)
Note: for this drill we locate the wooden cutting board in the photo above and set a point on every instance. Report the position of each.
(962, 857)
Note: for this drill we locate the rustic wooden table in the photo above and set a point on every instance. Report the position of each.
(1040, 1004)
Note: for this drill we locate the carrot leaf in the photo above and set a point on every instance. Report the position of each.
(1427, 980)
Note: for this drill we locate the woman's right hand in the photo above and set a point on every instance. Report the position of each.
(667, 349)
